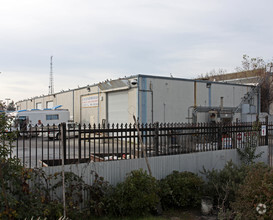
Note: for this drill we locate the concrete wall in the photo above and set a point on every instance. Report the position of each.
(238, 75)
(115, 171)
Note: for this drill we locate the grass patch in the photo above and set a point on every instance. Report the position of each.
(132, 218)
(167, 215)
(182, 214)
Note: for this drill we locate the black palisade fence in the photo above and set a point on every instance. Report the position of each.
(43, 145)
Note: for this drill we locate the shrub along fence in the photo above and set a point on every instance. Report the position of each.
(43, 146)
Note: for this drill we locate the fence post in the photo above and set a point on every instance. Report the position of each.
(80, 143)
(156, 136)
(220, 131)
(63, 141)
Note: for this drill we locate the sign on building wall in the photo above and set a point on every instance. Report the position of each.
(90, 101)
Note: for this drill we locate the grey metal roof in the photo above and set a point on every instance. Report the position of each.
(113, 84)
(123, 82)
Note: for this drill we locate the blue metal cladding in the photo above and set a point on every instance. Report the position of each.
(144, 101)
(210, 96)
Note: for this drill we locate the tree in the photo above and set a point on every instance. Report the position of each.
(2, 106)
(266, 94)
(258, 63)
(11, 106)
(212, 73)
(249, 64)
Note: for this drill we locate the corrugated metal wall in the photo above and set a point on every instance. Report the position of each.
(115, 171)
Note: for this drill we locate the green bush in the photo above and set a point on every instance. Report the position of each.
(13, 176)
(221, 185)
(136, 196)
(24, 193)
(100, 193)
(256, 189)
(27, 196)
(74, 192)
(248, 154)
(181, 189)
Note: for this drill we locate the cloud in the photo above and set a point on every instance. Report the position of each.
(94, 40)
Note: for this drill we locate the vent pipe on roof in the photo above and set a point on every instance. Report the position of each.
(222, 103)
(195, 94)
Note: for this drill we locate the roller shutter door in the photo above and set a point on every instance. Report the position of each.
(118, 107)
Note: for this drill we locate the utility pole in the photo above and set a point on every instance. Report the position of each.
(51, 87)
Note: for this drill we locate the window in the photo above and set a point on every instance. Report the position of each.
(38, 105)
(22, 118)
(52, 117)
(49, 104)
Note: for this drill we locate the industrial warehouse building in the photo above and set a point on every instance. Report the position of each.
(152, 99)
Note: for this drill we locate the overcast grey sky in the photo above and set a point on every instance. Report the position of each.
(91, 41)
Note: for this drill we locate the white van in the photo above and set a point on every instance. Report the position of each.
(26, 120)
(38, 117)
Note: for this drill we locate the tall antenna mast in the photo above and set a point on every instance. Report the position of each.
(51, 87)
